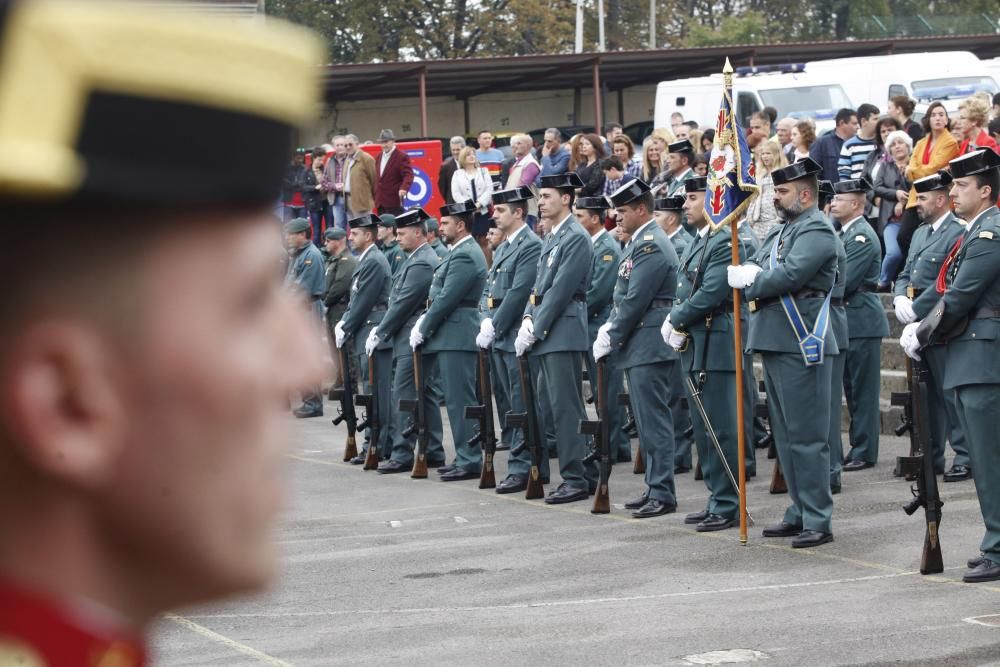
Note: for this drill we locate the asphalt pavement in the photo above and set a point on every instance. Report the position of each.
(388, 570)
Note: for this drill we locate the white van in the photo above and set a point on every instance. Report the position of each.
(787, 88)
(949, 76)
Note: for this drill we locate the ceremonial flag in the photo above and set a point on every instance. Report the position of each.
(732, 183)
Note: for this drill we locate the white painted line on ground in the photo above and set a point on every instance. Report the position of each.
(459, 519)
(226, 641)
(568, 603)
(395, 524)
(725, 657)
(990, 621)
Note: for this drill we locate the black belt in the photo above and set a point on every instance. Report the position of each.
(860, 290)
(379, 307)
(492, 303)
(985, 313)
(757, 304)
(536, 299)
(461, 304)
(661, 303)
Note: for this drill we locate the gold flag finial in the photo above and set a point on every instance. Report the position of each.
(728, 69)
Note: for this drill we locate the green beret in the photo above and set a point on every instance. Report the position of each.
(387, 220)
(335, 234)
(297, 226)
(432, 224)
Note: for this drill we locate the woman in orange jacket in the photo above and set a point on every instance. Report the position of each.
(931, 154)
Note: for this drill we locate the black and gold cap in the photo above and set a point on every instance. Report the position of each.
(122, 102)
(412, 217)
(628, 192)
(939, 181)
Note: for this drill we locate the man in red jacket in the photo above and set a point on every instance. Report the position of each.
(394, 175)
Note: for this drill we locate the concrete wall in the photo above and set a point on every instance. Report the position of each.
(498, 112)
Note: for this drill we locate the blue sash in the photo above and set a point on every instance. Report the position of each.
(812, 344)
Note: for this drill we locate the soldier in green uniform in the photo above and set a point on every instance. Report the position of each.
(388, 243)
(407, 299)
(366, 307)
(680, 158)
(446, 334)
(967, 316)
(669, 211)
(515, 266)
(700, 327)
(789, 282)
(305, 278)
(931, 243)
(340, 265)
(644, 294)
(554, 329)
(839, 329)
(866, 322)
(433, 240)
(603, 275)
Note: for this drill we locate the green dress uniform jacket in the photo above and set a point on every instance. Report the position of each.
(339, 269)
(838, 325)
(395, 255)
(559, 315)
(681, 240)
(866, 325)
(928, 249)
(439, 248)
(704, 311)
(407, 299)
(449, 327)
(973, 365)
(798, 395)
(644, 294)
(306, 275)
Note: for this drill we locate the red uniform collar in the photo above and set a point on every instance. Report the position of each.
(53, 634)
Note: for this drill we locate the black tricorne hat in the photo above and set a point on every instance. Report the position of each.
(459, 209)
(674, 203)
(939, 181)
(365, 220)
(412, 217)
(591, 203)
(858, 186)
(696, 184)
(804, 168)
(514, 195)
(567, 181)
(976, 162)
(628, 192)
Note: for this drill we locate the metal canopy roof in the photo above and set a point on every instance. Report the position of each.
(464, 78)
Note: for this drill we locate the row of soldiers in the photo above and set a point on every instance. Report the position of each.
(660, 312)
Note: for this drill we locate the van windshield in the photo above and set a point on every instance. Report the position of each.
(820, 101)
(957, 87)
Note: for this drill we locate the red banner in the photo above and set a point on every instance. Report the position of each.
(425, 159)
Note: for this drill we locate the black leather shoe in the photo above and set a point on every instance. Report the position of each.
(446, 468)
(854, 466)
(811, 538)
(303, 412)
(715, 522)
(958, 474)
(512, 484)
(834, 488)
(680, 470)
(553, 454)
(654, 507)
(636, 503)
(696, 517)
(782, 530)
(358, 460)
(986, 571)
(565, 494)
(973, 563)
(458, 474)
(390, 466)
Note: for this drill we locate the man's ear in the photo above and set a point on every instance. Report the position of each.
(61, 401)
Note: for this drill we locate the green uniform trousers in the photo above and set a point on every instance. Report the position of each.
(862, 381)
(383, 388)
(403, 386)
(799, 402)
(836, 408)
(979, 417)
(944, 412)
(717, 395)
(681, 415)
(650, 396)
(620, 447)
(458, 379)
(501, 395)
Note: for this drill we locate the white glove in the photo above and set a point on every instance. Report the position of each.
(487, 334)
(904, 310)
(604, 335)
(676, 340)
(908, 341)
(417, 338)
(602, 348)
(666, 330)
(338, 334)
(742, 275)
(525, 337)
(371, 343)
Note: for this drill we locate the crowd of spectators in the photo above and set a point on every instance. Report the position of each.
(891, 150)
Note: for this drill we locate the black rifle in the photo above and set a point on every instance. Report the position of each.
(921, 466)
(527, 421)
(599, 430)
(372, 420)
(778, 483)
(345, 395)
(483, 413)
(419, 423)
(904, 399)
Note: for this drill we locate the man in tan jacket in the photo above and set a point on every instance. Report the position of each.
(359, 188)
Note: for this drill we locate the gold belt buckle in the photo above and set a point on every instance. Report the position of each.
(534, 300)
(489, 302)
(752, 305)
(910, 292)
